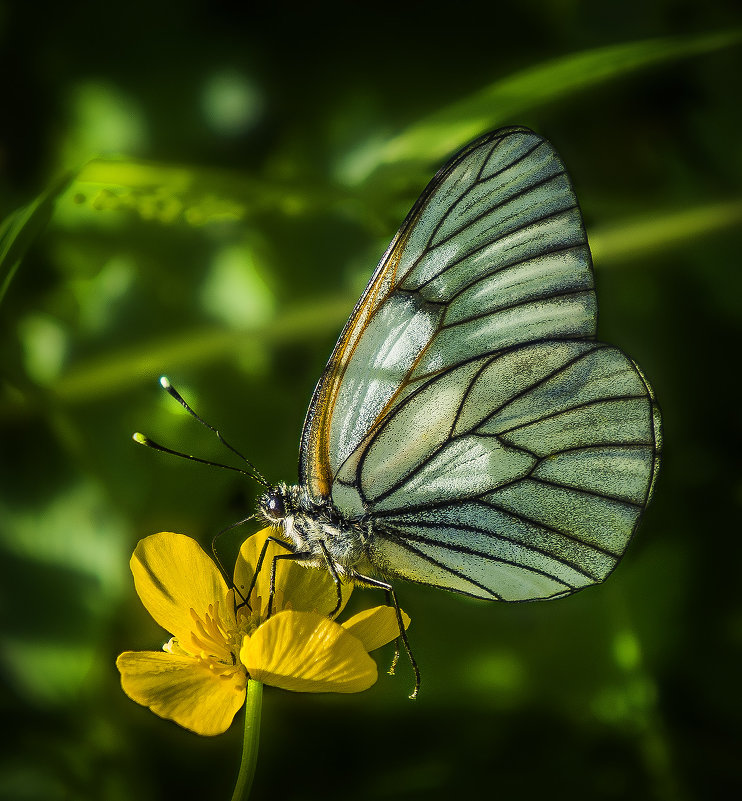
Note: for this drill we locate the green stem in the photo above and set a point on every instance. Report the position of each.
(253, 706)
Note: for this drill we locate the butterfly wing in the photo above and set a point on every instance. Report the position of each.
(467, 410)
(516, 476)
(492, 255)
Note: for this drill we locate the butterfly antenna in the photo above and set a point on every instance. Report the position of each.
(170, 389)
(142, 439)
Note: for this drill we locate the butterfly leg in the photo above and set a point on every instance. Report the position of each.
(395, 658)
(258, 568)
(335, 577)
(367, 581)
(292, 555)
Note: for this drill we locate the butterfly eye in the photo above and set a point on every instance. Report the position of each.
(273, 506)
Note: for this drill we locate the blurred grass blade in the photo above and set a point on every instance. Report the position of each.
(120, 370)
(640, 236)
(21, 229)
(116, 372)
(163, 193)
(504, 101)
(173, 194)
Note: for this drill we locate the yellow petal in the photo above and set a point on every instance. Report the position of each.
(310, 589)
(376, 627)
(246, 564)
(305, 652)
(182, 689)
(300, 588)
(173, 575)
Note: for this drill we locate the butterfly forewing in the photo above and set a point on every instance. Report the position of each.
(466, 410)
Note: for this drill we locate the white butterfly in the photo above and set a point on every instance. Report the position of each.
(469, 432)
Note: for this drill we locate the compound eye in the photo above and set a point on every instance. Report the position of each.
(275, 507)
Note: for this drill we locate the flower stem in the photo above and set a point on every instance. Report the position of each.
(253, 706)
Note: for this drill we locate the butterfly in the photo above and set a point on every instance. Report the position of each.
(469, 432)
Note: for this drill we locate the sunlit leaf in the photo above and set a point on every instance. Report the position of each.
(120, 370)
(173, 194)
(506, 100)
(628, 239)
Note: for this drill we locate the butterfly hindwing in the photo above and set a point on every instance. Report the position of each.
(521, 475)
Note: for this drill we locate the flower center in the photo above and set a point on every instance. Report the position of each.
(214, 642)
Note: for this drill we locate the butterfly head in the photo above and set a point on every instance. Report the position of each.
(275, 504)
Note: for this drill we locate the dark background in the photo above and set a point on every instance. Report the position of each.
(254, 192)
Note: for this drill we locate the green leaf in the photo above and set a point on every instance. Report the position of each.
(21, 229)
(504, 101)
(119, 370)
(160, 193)
(175, 194)
(637, 237)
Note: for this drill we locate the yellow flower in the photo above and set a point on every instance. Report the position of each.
(199, 678)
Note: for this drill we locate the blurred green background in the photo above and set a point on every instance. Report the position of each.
(203, 191)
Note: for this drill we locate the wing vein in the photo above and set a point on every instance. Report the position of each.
(498, 536)
(574, 293)
(583, 405)
(494, 207)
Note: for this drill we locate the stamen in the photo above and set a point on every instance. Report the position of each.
(212, 639)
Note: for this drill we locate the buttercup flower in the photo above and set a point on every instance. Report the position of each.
(218, 643)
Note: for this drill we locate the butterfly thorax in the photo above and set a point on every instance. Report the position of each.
(317, 528)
